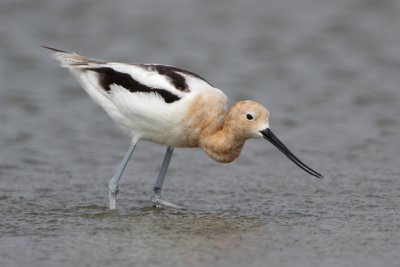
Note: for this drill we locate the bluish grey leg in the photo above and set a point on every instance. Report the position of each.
(113, 184)
(156, 196)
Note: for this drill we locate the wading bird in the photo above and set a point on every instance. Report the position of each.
(172, 107)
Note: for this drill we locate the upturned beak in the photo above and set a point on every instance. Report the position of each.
(270, 136)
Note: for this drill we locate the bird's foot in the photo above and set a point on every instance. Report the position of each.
(158, 202)
(112, 196)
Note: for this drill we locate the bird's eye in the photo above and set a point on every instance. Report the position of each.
(249, 117)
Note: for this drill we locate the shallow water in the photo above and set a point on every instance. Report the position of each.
(328, 72)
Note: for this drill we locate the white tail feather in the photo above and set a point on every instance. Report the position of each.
(73, 60)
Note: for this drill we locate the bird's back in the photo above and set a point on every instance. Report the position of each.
(151, 101)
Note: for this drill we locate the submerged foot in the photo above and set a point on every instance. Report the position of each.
(158, 202)
(112, 196)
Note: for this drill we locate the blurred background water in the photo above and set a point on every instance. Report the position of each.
(327, 70)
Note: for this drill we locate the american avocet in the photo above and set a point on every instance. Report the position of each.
(172, 107)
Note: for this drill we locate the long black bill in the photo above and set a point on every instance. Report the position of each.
(270, 136)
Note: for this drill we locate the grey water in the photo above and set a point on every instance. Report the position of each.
(327, 70)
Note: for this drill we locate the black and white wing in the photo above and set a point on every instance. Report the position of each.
(148, 100)
(169, 83)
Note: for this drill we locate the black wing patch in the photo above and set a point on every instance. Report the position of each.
(108, 76)
(174, 76)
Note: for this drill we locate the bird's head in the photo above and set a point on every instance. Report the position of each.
(252, 121)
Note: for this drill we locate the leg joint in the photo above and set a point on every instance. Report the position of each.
(157, 190)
